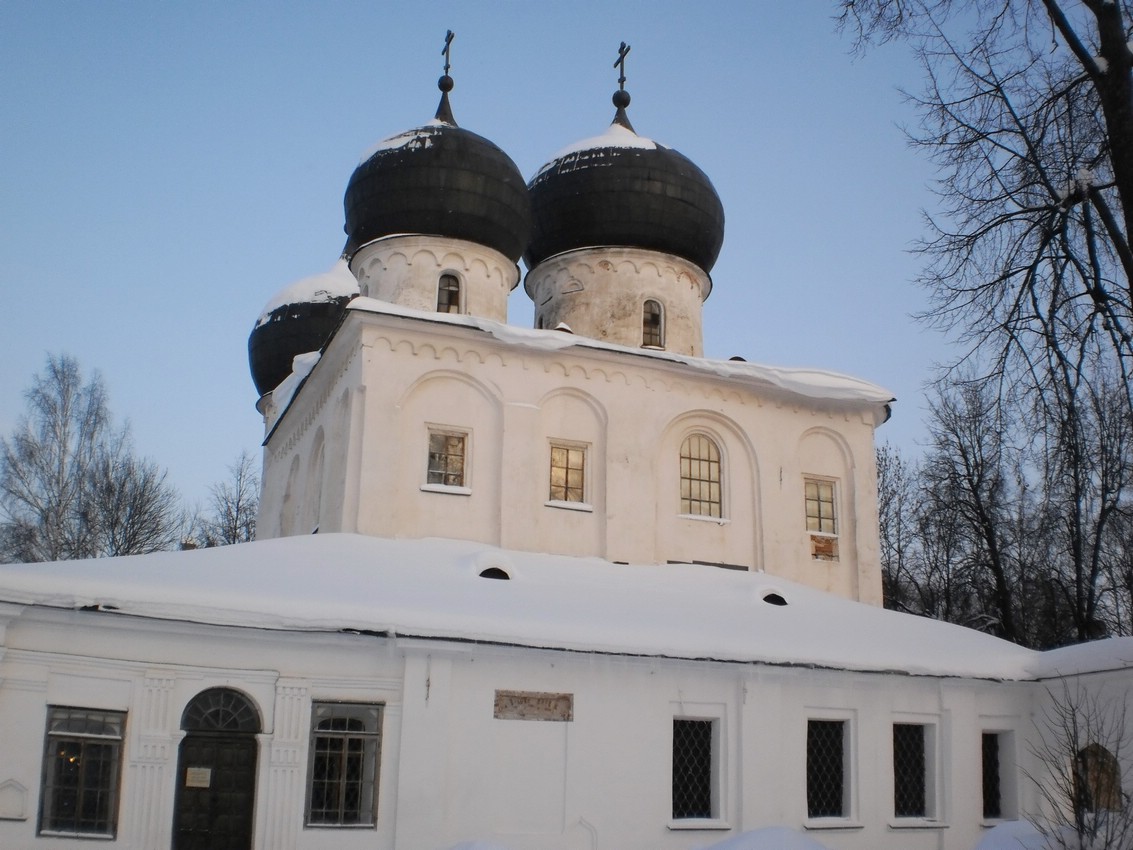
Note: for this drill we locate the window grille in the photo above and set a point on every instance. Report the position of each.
(910, 797)
(825, 768)
(568, 474)
(992, 795)
(446, 459)
(448, 294)
(820, 507)
(692, 768)
(652, 333)
(700, 477)
(345, 750)
(220, 710)
(81, 764)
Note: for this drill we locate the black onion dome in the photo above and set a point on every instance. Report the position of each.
(621, 189)
(439, 180)
(299, 319)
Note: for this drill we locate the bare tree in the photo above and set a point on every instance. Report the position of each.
(1028, 111)
(1081, 744)
(70, 484)
(234, 504)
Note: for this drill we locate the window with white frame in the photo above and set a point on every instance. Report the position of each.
(344, 764)
(82, 762)
(568, 473)
(448, 294)
(701, 477)
(914, 770)
(695, 757)
(652, 325)
(827, 778)
(821, 518)
(447, 458)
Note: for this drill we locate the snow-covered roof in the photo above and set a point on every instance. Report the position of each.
(616, 136)
(433, 589)
(805, 382)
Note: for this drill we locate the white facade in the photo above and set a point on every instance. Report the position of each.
(528, 712)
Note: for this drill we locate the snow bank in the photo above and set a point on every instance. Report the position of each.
(301, 366)
(1095, 656)
(432, 589)
(769, 838)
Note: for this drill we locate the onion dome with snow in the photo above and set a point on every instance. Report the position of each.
(621, 189)
(439, 180)
(298, 319)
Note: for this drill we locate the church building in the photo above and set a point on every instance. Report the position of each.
(566, 587)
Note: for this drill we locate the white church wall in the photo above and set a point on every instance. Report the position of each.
(629, 415)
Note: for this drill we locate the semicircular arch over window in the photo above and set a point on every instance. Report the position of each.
(220, 710)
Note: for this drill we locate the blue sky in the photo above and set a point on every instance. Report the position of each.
(166, 167)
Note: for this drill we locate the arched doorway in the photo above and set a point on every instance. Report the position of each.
(216, 772)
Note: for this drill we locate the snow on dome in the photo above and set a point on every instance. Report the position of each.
(418, 138)
(616, 136)
(336, 282)
(769, 838)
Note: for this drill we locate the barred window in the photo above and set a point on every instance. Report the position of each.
(446, 458)
(910, 776)
(345, 756)
(692, 768)
(826, 787)
(82, 761)
(448, 294)
(992, 792)
(568, 474)
(652, 327)
(700, 477)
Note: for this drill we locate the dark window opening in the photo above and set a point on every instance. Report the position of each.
(81, 765)
(992, 793)
(448, 294)
(692, 768)
(910, 788)
(825, 768)
(496, 573)
(652, 330)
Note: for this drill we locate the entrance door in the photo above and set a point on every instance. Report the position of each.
(216, 773)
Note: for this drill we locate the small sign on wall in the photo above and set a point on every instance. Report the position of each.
(533, 705)
(198, 777)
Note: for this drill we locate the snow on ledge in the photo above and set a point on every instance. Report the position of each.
(808, 383)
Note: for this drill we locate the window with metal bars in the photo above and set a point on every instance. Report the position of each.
(826, 787)
(910, 771)
(692, 768)
(652, 325)
(568, 474)
(700, 477)
(992, 792)
(448, 294)
(345, 756)
(446, 458)
(81, 764)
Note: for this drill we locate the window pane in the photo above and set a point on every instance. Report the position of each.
(700, 477)
(825, 769)
(446, 459)
(448, 294)
(819, 500)
(993, 807)
(345, 745)
(568, 464)
(80, 771)
(692, 768)
(909, 797)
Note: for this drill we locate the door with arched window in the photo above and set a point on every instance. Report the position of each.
(216, 772)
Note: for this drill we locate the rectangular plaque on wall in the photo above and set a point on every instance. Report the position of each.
(533, 705)
(198, 777)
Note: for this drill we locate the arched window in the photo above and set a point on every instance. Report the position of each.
(448, 294)
(700, 477)
(652, 325)
(220, 710)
